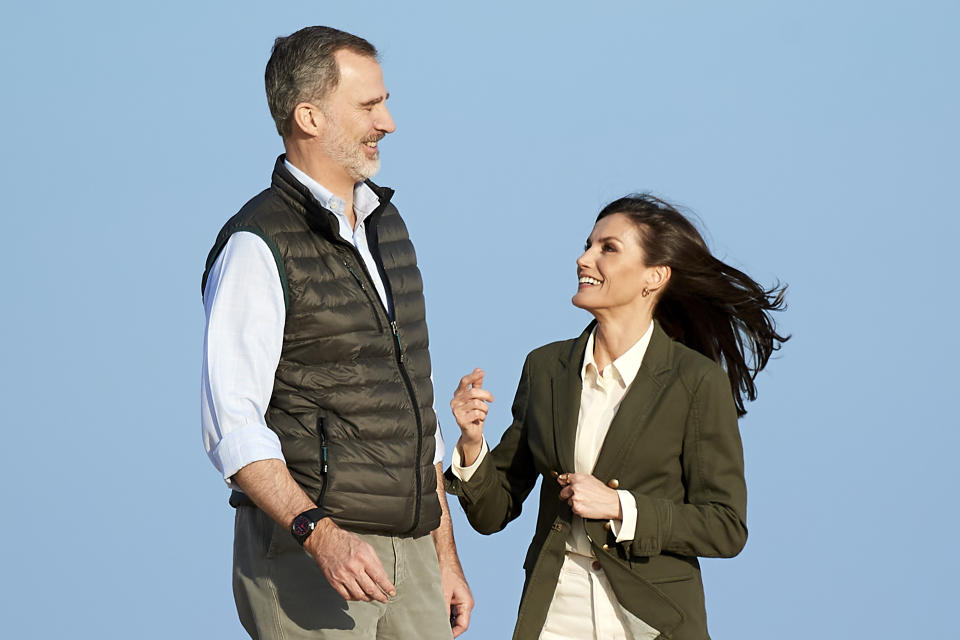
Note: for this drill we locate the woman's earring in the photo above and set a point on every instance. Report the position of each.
(645, 292)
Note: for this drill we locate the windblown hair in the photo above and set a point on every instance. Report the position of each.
(302, 68)
(706, 304)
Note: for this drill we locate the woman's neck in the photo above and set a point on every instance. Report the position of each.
(613, 338)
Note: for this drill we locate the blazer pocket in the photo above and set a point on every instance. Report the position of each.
(664, 569)
(667, 579)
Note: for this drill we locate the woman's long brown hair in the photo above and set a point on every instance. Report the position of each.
(707, 304)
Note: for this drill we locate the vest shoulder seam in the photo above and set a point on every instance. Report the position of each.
(260, 233)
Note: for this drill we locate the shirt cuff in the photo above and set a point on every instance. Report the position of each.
(441, 449)
(465, 473)
(242, 446)
(625, 529)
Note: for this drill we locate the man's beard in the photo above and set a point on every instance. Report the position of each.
(347, 153)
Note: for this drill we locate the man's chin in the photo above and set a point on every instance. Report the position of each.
(368, 170)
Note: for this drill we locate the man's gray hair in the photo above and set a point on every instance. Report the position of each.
(302, 68)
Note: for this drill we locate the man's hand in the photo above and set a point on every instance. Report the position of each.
(457, 596)
(588, 497)
(350, 565)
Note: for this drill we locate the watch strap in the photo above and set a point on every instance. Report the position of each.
(304, 524)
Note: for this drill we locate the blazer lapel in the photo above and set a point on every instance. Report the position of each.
(567, 387)
(635, 408)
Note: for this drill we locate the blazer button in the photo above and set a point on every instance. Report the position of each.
(554, 474)
(596, 565)
(606, 525)
(614, 484)
(606, 547)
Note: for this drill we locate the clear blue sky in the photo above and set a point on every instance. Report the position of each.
(816, 141)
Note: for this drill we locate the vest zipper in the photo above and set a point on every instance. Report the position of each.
(363, 288)
(416, 412)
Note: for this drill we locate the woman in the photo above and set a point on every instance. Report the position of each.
(633, 427)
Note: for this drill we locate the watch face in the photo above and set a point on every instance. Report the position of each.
(301, 526)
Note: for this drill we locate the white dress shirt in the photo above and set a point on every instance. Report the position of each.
(600, 398)
(243, 301)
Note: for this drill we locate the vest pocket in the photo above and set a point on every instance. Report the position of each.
(366, 292)
(322, 437)
(324, 458)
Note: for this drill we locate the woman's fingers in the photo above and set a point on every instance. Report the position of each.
(472, 379)
(466, 404)
(469, 402)
(476, 405)
(475, 417)
(480, 394)
(588, 496)
(470, 413)
(469, 395)
(572, 478)
(471, 385)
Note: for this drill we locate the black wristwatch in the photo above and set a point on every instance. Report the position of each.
(304, 524)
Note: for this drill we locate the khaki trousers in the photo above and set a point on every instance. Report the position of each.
(282, 594)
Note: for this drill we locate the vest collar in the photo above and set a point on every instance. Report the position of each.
(299, 197)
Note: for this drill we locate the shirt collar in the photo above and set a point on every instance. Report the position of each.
(626, 366)
(364, 198)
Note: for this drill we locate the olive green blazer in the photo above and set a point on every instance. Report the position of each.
(674, 444)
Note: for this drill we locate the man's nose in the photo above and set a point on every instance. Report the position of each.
(385, 121)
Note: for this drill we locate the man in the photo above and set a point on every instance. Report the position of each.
(317, 401)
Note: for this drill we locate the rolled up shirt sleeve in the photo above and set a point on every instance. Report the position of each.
(245, 315)
(441, 449)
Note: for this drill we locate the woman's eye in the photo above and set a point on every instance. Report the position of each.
(609, 248)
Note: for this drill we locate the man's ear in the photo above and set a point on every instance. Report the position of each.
(307, 119)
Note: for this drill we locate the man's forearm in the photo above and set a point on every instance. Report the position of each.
(456, 592)
(443, 535)
(269, 484)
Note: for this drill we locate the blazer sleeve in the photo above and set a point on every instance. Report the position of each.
(495, 493)
(711, 522)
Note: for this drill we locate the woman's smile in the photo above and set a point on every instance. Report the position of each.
(610, 272)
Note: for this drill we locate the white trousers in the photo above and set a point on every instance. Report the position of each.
(584, 607)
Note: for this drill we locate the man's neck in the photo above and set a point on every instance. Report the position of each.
(327, 173)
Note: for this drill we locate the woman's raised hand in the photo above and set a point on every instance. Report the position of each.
(469, 406)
